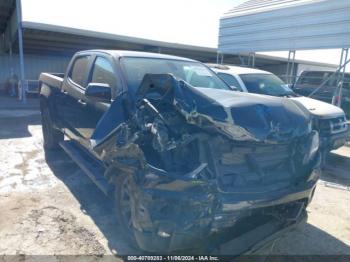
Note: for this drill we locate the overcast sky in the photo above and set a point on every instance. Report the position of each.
(193, 22)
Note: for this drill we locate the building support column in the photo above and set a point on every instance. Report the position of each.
(341, 67)
(22, 81)
(219, 58)
(12, 71)
(290, 78)
(337, 96)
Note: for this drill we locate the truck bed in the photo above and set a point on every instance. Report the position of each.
(52, 79)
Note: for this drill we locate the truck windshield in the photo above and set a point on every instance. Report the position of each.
(194, 73)
(266, 84)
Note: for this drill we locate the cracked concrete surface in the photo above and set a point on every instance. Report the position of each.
(49, 207)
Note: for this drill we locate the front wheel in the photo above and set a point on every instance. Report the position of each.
(124, 202)
(51, 136)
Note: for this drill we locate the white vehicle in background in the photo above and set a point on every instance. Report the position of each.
(329, 120)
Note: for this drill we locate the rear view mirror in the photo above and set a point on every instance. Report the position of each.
(291, 86)
(99, 92)
(234, 88)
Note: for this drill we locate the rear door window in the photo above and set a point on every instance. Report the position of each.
(79, 70)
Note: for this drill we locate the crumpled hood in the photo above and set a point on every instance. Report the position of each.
(239, 116)
(243, 116)
(319, 108)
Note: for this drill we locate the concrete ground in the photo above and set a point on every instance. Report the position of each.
(48, 206)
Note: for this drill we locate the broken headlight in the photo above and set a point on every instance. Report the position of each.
(312, 146)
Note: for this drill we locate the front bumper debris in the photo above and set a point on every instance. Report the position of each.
(170, 220)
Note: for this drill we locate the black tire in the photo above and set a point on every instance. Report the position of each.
(123, 207)
(51, 136)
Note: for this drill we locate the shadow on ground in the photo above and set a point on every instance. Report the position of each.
(16, 116)
(93, 202)
(14, 123)
(17, 127)
(337, 170)
(307, 239)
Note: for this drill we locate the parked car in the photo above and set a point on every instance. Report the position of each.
(329, 120)
(185, 159)
(309, 81)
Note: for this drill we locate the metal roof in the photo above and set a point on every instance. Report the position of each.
(6, 9)
(280, 25)
(42, 38)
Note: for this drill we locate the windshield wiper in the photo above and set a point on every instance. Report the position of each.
(292, 94)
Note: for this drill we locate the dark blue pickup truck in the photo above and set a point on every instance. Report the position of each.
(188, 162)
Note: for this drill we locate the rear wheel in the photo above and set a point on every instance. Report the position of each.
(51, 136)
(124, 202)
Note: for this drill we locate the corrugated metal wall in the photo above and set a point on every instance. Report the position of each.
(261, 25)
(34, 65)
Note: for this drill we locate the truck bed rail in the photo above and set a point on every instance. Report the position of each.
(52, 79)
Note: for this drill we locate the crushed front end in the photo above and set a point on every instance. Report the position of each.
(206, 161)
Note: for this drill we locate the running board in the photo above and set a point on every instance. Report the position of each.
(88, 164)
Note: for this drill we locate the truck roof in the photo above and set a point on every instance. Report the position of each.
(124, 53)
(237, 70)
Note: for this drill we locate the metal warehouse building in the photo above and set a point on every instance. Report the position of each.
(277, 25)
(287, 25)
(28, 48)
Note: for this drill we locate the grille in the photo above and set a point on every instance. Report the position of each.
(259, 166)
(332, 126)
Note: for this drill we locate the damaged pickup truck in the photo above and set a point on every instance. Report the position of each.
(188, 162)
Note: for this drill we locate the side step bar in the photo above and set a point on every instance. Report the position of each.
(88, 164)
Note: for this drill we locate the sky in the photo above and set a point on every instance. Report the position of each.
(192, 22)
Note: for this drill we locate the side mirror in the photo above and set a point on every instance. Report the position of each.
(99, 92)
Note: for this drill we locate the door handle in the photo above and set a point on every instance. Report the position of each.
(80, 101)
(64, 92)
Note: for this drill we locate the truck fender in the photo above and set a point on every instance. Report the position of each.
(45, 99)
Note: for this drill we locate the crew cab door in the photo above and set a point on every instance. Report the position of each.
(87, 72)
(74, 89)
(103, 75)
